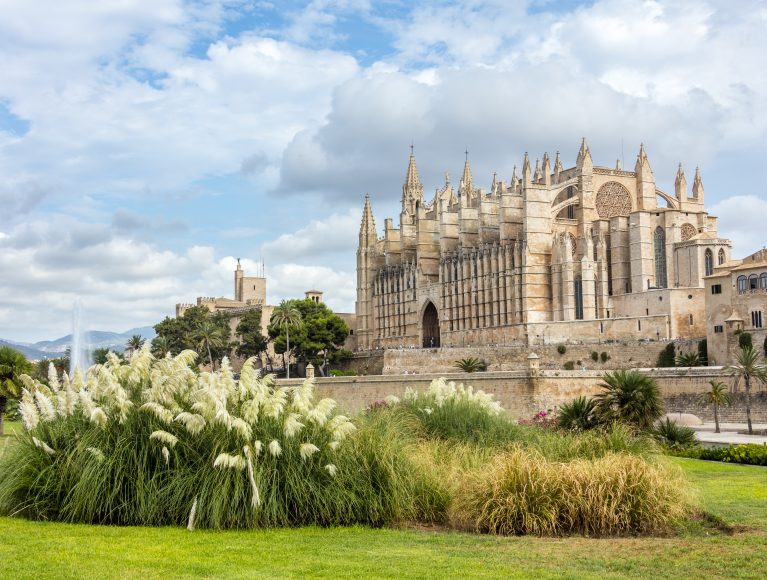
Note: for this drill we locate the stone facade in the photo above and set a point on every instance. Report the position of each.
(583, 253)
(736, 301)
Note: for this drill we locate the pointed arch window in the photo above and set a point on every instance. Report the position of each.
(709, 261)
(721, 259)
(660, 258)
(570, 208)
(578, 298)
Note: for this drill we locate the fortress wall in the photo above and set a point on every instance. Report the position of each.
(522, 394)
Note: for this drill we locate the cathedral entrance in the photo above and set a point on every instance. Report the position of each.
(430, 325)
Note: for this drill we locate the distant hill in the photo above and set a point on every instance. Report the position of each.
(96, 339)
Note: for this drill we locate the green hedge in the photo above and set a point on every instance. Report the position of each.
(749, 454)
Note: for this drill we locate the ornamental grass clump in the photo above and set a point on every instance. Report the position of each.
(152, 442)
(451, 411)
(522, 492)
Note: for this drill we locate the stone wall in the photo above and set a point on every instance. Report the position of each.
(523, 393)
(624, 354)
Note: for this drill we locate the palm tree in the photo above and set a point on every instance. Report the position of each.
(745, 368)
(288, 315)
(629, 396)
(134, 343)
(688, 359)
(206, 336)
(471, 365)
(578, 414)
(13, 364)
(717, 396)
(160, 346)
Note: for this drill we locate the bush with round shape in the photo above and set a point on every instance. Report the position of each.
(673, 435)
(629, 396)
(578, 414)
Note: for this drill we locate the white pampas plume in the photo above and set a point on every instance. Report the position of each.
(341, 427)
(166, 455)
(28, 411)
(164, 437)
(321, 412)
(427, 410)
(192, 513)
(97, 453)
(331, 469)
(307, 450)
(230, 461)
(241, 427)
(292, 425)
(53, 378)
(334, 445)
(193, 422)
(257, 447)
(163, 414)
(98, 417)
(275, 404)
(43, 445)
(391, 400)
(274, 448)
(255, 497)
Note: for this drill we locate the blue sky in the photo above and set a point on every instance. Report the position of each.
(147, 144)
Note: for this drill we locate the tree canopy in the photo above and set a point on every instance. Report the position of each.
(321, 334)
(253, 342)
(183, 333)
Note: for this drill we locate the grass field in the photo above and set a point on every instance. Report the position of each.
(738, 494)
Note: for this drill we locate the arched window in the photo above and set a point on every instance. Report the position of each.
(570, 208)
(660, 258)
(742, 283)
(763, 281)
(578, 298)
(709, 259)
(722, 257)
(753, 282)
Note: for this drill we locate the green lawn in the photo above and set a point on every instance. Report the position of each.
(736, 493)
(11, 428)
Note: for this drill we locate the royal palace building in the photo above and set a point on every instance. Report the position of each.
(583, 254)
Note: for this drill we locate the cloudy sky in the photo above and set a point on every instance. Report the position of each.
(146, 144)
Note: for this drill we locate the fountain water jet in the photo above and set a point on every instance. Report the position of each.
(79, 351)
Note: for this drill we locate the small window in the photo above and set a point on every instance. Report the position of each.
(721, 259)
(691, 320)
(756, 319)
(718, 329)
(763, 281)
(351, 331)
(742, 283)
(716, 289)
(709, 262)
(601, 327)
(647, 312)
(639, 325)
(753, 282)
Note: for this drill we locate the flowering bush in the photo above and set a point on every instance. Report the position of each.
(546, 419)
(152, 442)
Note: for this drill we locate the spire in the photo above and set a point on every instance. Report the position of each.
(557, 168)
(697, 186)
(584, 155)
(412, 189)
(546, 169)
(467, 185)
(514, 185)
(494, 184)
(537, 172)
(617, 165)
(680, 184)
(368, 224)
(526, 170)
(645, 181)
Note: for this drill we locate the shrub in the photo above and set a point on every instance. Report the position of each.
(688, 359)
(594, 355)
(748, 454)
(578, 414)
(471, 365)
(522, 492)
(569, 365)
(604, 357)
(631, 397)
(561, 349)
(151, 442)
(450, 411)
(666, 357)
(342, 373)
(545, 419)
(672, 435)
(745, 340)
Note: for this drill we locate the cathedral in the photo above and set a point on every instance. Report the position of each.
(583, 254)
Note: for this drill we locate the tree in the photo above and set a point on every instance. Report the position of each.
(688, 359)
(747, 368)
(666, 357)
(252, 341)
(717, 396)
(160, 346)
(631, 397)
(13, 364)
(703, 352)
(284, 316)
(100, 355)
(745, 340)
(209, 337)
(134, 343)
(181, 333)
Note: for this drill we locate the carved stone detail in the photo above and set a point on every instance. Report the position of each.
(688, 231)
(613, 199)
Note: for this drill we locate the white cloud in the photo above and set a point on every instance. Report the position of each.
(741, 219)
(318, 241)
(287, 281)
